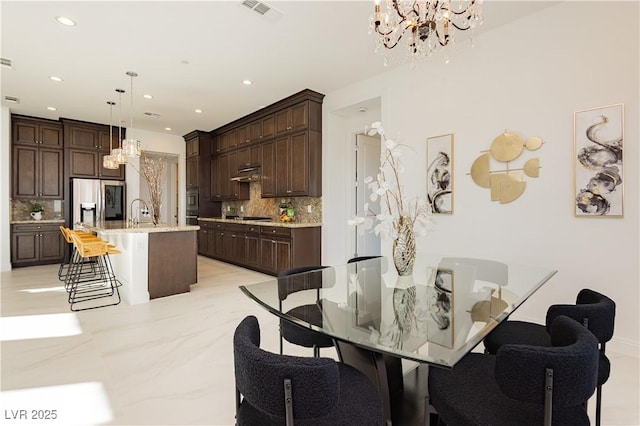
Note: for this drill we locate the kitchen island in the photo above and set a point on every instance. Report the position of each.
(155, 261)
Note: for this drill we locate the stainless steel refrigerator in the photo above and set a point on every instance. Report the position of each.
(95, 200)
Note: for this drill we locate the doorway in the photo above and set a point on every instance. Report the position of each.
(367, 149)
(170, 203)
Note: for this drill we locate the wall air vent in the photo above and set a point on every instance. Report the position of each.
(6, 63)
(12, 99)
(152, 114)
(256, 6)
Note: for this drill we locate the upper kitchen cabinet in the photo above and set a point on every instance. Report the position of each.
(37, 159)
(35, 131)
(298, 165)
(85, 145)
(301, 116)
(262, 129)
(289, 133)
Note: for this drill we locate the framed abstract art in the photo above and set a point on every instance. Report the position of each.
(440, 174)
(599, 165)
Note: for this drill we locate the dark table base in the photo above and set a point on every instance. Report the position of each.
(405, 398)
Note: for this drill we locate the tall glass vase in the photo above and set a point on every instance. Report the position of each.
(404, 247)
(155, 207)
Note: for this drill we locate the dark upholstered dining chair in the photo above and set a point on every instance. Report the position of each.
(274, 389)
(522, 384)
(592, 309)
(303, 279)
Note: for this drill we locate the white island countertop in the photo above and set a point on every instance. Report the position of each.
(119, 227)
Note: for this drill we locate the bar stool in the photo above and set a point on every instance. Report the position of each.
(89, 275)
(64, 267)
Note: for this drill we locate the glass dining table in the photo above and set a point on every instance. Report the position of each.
(377, 318)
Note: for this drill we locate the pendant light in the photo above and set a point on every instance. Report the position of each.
(117, 153)
(131, 146)
(108, 162)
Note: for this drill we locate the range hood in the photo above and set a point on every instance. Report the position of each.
(249, 173)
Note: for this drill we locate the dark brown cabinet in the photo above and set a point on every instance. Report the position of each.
(293, 119)
(37, 172)
(252, 246)
(297, 168)
(268, 249)
(285, 138)
(268, 177)
(250, 156)
(199, 176)
(35, 131)
(37, 161)
(86, 144)
(223, 168)
(192, 172)
(36, 244)
(262, 128)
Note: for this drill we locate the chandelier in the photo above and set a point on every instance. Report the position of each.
(108, 162)
(426, 25)
(131, 146)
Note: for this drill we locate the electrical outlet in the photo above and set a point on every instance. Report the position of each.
(228, 208)
(309, 208)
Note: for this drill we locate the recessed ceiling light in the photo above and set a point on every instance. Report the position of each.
(52, 108)
(66, 21)
(198, 111)
(247, 82)
(147, 96)
(56, 79)
(168, 129)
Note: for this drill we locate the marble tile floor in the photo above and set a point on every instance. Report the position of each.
(168, 362)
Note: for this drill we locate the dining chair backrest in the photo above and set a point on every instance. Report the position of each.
(485, 270)
(521, 370)
(592, 309)
(304, 278)
(260, 377)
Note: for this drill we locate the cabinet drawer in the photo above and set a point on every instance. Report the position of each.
(34, 227)
(275, 231)
(232, 227)
(252, 229)
(206, 225)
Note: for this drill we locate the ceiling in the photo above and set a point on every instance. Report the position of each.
(189, 55)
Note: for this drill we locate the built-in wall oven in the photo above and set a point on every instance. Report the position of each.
(192, 207)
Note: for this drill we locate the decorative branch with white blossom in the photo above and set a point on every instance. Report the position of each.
(386, 186)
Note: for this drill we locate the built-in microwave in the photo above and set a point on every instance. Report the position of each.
(192, 202)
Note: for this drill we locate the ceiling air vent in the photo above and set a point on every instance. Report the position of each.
(6, 63)
(12, 99)
(152, 114)
(256, 6)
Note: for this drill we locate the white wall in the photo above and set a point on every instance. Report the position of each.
(529, 76)
(160, 143)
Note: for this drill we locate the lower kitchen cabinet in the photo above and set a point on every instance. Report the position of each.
(268, 249)
(36, 244)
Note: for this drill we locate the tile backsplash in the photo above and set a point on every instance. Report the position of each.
(269, 207)
(21, 209)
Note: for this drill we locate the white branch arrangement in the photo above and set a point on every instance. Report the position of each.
(397, 209)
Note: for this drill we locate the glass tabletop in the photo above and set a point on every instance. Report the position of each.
(436, 315)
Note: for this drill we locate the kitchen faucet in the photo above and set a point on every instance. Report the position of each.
(145, 211)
